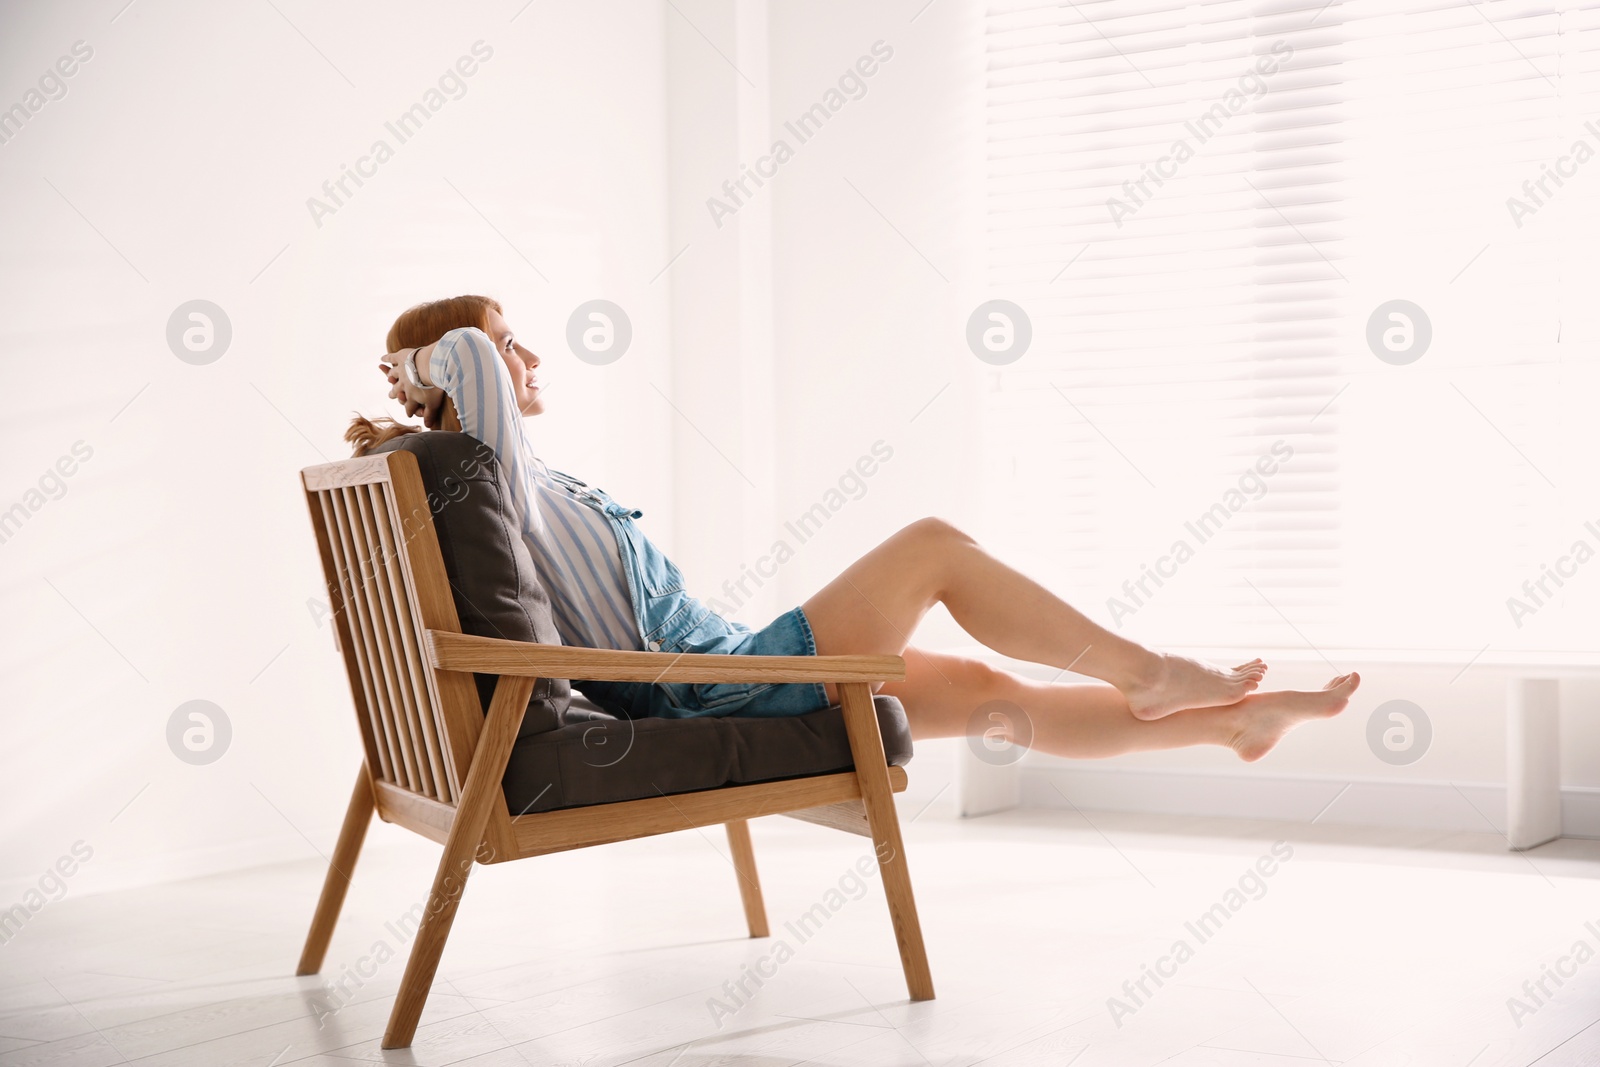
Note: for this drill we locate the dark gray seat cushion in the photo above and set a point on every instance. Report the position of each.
(570, 753)
(597, 758)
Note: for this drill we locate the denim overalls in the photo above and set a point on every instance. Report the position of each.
(670, 620)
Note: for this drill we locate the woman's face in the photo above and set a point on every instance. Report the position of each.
(522, 363)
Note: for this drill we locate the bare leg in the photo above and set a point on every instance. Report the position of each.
(952, 696)
(876, 604)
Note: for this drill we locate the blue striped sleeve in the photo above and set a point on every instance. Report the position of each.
(466, 366)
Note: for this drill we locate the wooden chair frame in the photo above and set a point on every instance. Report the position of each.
(434, 760)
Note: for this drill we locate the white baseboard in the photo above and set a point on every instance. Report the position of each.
(1439, 806)
(1580, 812)
(983, 788)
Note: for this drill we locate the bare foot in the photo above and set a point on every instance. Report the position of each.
(1177, 682)
(1268, 716)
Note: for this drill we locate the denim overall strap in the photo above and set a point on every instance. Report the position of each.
(670, 620)
(661, 608)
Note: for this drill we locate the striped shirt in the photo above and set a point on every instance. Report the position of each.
(572, 543)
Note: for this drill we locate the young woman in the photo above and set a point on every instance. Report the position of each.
(610, 587)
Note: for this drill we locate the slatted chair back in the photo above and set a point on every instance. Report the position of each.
(387, 585)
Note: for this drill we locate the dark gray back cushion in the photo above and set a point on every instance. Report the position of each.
(497, 591)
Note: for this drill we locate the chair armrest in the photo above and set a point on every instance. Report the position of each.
(493, 655)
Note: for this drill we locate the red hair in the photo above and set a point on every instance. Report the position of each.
(420, 325)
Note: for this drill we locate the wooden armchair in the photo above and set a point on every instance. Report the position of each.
(434, 760)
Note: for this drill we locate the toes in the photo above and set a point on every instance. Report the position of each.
(1345, 681)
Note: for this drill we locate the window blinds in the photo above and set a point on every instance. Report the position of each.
(1205, 209)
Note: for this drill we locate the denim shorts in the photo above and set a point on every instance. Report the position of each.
(787, 635)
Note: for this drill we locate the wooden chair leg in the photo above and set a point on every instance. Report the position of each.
(744, 862)
(357, 817)
(866, 748)
(478, 796)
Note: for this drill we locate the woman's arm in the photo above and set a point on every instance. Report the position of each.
(466, 366)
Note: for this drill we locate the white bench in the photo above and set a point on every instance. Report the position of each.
(1533, 729)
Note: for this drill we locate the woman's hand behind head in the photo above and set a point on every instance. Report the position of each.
(431, 403)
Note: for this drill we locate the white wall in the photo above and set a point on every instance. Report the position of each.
(825, 316)
(869, 320)
(867, 331)
(179, 563)
(721, 284)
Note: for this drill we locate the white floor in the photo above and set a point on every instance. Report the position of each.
(1366, 947)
